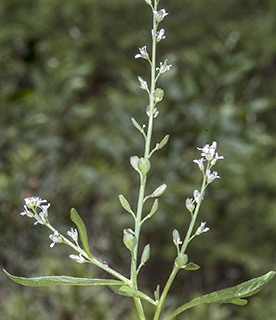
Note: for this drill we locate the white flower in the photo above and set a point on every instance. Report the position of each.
(33, 202)
(73, 234)
(201, 229)
(79, 258)
(56, 238)
(216, 158)
(190, 204)
(143, 53)
(196, 196)
(26, 212)
(40, 218)
(160, 35)
(200, 163)
(164, 67)
(44, 210)
(143, 83)
(160, 15)
(208, 151)
(211, 176)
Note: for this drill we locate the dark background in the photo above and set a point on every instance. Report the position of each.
(68, 90)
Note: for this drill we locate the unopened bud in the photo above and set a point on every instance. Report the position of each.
(129, 239)
(144, 165)
(158, 95)
(181, 260)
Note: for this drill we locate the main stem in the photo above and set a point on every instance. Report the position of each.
(143, 179)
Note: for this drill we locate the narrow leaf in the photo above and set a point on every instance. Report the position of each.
(62, 281)
(230, 295)
(75, 217)
(131, 292)
(191, 266)
(157, 293)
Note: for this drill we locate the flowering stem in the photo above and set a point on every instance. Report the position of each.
(143, 179)
(182, 251)
(92, 260)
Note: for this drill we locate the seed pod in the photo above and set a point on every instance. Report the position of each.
(144, 165)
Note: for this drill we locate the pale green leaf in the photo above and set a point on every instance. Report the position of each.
(62, 281)
(131, 292)
(230, 295)
(75, 217)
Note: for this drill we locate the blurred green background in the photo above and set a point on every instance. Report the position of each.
(68, 90)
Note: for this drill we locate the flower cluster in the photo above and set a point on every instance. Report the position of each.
(34, 208)
(209, 154)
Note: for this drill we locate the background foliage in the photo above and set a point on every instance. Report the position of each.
(68, 91)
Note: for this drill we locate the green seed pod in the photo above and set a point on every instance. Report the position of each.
(158, 95)
(163, 142)
(129, 239)
(144, 165)
(181, 260)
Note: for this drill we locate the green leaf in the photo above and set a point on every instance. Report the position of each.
(62, 281)
(75, 217)
(191, 266)
(131, 292)
(230, 295)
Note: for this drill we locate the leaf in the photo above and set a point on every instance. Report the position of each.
(131, 292)
(191, 266)
(230, 295)
(62, 281)
(75, 217)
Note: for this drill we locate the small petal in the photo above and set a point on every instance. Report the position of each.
(211, 176)
(200, 163)
(201, 229)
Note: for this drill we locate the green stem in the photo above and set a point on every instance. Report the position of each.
(183, 248)
(143, 179)
(92, 260)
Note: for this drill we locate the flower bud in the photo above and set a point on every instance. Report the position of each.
(146, 254)
(176, 238)
(148, 2)
(159, 191)
(158, 95)
(144, 165)
(129, 239)
(181, 260)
